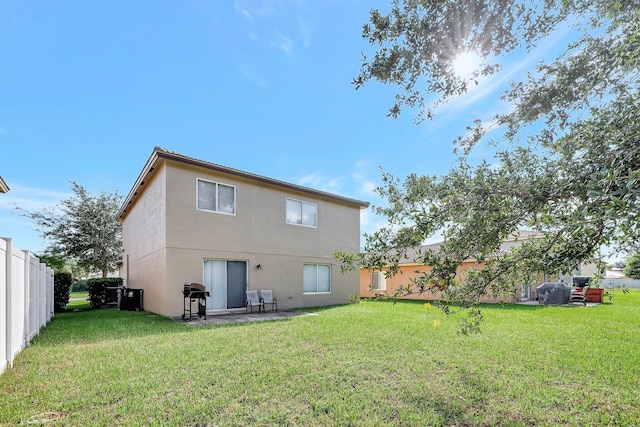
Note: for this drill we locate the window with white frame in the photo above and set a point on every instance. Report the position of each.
(215, 197)
(317, 278)
(302, 213)
(378, 281)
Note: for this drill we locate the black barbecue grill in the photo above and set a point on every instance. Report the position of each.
(194, 292)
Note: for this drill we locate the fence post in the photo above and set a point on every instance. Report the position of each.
(44, 294)
(9, 305)
(50, 292)
(4, 306)
(26, 336)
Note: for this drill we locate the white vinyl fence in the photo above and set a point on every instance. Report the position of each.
(627, 283)
(26, 300)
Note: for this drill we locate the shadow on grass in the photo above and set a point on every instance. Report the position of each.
(91, 326)
(236, 324)
(320, 308)
(421, 303)
(517, 307)
(108, 324)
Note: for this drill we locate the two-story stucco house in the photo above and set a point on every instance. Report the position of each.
(188, 220)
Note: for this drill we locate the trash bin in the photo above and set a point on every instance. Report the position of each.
(131, 299)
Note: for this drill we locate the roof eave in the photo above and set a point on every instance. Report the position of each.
(4, 188)
(159, 152)
(140, 181)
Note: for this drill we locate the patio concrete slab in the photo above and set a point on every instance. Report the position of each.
(589, 304)
(228, 318)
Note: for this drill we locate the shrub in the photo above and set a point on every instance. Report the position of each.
(61, 291)
(103, 291)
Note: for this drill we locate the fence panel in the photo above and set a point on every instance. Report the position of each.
(33, 315)
(628, 283)
(17, 300)
(46, 293)
(26, 300)
(4, 359)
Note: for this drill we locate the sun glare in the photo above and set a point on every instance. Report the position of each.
(465, 64)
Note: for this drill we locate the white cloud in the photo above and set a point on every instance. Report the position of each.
(370, 222)
(250, 75)
(321, 182)
(276, 24)
(283, 42)
(250, 9)
(30, 198)
(14, 225)
(245, 13)
(368, 187)
(306, 32)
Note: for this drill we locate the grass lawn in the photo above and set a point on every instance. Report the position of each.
(77, 295)
(79, 301)
(369, 364)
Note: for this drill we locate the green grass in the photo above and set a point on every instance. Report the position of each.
(78, 301)
(369, 364)
(77, 295)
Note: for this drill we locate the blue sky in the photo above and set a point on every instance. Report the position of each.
(87, 89)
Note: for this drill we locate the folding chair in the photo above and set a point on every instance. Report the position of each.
(268, 298)
(253, 301)
(578, 295)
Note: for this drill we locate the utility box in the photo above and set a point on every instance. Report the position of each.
(130, 299)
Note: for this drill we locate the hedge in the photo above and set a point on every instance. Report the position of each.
(61, 291)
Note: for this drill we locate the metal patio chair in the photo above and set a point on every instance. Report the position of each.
(578, 295)
(268, 298)
(253, 300)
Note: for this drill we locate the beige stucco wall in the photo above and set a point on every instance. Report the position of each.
(144, 241)
(259, 225)
(280, 273)
(167, 239)
(258, 234)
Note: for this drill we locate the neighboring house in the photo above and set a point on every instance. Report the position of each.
(373, 283)
(187, 220)
(585, 269)
(614, 277)
(3, 186)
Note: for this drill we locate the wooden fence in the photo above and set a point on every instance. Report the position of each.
(26, 300)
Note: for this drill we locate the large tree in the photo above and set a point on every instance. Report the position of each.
(632, 267)
(567, 152)
(84, 228)
(61, 264)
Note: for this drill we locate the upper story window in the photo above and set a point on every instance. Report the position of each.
(302, 213)
(216, 197)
